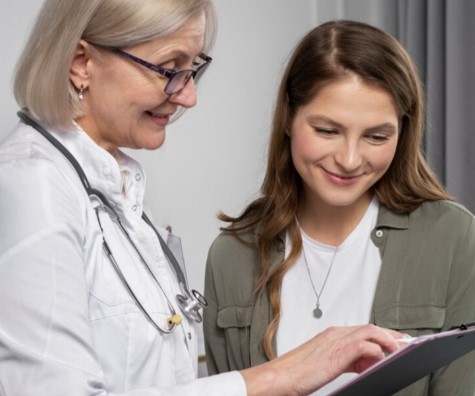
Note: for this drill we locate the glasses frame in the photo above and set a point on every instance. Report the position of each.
(171, 74)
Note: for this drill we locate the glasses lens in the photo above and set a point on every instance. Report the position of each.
(178, 82)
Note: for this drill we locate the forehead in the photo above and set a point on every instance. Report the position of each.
(350, 100)
(188, 39)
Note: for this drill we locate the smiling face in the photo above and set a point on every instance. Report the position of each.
(124, 103)
(343, 142)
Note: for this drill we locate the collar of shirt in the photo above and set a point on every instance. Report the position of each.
(120, 178)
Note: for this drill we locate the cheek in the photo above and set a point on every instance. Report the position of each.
(384, 157)
(120, 90)
(308, 149)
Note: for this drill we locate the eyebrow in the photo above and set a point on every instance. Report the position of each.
(385, 127)
(178, 54)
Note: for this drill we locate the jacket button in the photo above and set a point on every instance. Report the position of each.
(379, 233)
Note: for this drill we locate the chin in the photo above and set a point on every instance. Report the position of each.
(154, 143)
(343, 202)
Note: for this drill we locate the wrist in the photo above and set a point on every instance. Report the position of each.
(270, 379)
(266, 380)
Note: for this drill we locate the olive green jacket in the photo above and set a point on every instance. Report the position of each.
(426, 284)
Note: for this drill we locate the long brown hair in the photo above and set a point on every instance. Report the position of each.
(327, 53)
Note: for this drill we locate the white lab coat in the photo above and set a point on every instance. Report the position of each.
(68, 326)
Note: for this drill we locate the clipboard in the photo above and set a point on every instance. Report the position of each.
(418, 358)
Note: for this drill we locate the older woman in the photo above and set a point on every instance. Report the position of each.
(94, 300)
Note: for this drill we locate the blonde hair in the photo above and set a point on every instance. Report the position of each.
(327, 53)
(41, 81)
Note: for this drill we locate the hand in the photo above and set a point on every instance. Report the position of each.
(321, 359)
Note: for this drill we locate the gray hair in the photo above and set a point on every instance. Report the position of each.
(41, 82)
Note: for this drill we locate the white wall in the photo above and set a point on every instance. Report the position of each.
(15, 23)
(369, 11)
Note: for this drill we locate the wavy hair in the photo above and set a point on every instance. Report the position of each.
(41, 81)
(328, 53)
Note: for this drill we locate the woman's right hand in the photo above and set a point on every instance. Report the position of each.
(321, 359)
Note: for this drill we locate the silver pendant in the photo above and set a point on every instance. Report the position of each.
(317, 312)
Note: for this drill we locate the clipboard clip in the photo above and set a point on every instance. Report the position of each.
(463, 326)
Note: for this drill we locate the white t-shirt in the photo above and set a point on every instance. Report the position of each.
(348, 294)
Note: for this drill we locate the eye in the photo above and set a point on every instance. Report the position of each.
(325, 131)
(170, 66)
(377, 138)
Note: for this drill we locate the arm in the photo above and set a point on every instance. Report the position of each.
(458, 378)
(215, 342)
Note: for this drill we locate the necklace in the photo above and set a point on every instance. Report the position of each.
(317, 312)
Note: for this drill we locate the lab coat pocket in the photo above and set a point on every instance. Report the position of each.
(107, 295)
(235, 321)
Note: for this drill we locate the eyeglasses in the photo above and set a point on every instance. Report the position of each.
(177, 79)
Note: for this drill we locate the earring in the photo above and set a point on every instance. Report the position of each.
(81, 93)
(287, 131)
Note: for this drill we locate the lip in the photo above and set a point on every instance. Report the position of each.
(341, 180)
(159, 119)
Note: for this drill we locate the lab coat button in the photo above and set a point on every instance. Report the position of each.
(189, 336)
(138, 177)
(106, 171)
(379, 233)
(134, 208)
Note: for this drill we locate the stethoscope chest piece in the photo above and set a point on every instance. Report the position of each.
(191, 303)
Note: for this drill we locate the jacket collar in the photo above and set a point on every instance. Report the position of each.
(390, 219)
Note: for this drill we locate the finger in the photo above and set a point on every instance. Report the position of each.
(386, 339)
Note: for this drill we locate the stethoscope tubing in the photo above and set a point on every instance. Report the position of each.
(190, 303)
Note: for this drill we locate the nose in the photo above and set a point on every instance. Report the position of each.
(349, 156)
(186, 97)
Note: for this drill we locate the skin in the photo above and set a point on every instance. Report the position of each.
(124, 103)
(342, 143)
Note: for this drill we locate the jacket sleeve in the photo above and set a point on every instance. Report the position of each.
(215, 342)
(458, 378)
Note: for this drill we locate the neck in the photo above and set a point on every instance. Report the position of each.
(329, 224)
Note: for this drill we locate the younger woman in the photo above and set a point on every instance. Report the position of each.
(352, 226)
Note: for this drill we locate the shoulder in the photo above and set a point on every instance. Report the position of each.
(451, 215)
(32, 169)
(234, 256)
(233, 245)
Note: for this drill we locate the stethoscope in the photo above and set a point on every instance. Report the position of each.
(190, 303)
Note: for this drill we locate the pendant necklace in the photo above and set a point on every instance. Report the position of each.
(317, 312)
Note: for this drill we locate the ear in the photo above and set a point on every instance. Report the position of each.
(79, 72)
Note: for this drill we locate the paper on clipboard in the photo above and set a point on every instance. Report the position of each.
(411, 362)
